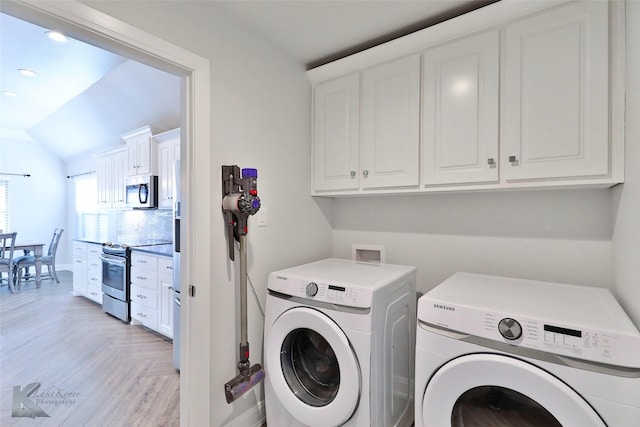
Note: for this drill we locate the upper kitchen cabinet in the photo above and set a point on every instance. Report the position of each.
(168, 152)
(141, 152)
(510, 95)
(368, 138)
(556, 99)
(111, 170)
(461, 111)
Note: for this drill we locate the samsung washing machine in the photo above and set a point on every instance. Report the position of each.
(494, 351)
(339, 345)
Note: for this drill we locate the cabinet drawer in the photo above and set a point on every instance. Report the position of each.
(148, 262)
(94, 263)
(145, 278)
(147, 316)
(94, 293)
(79, 249)
(144, 296)
(165, 266)
(94, 250)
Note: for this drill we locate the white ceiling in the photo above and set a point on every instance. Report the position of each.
(79, 90)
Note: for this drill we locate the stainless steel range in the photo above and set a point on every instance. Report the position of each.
(116, 283)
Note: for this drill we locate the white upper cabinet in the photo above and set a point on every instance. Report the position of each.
(168, 152)
(461, 111)
(111, 170)
(336, 134)
(141, 152)
(555, 105)
(368, 138)
(515, 94)
(390, 140)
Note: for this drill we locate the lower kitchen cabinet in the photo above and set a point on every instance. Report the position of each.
(152, 292)
(165, 292)
(87, 271)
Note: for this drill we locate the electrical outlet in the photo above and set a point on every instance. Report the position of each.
(262, 216)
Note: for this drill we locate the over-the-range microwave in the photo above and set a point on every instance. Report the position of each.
(142, 192)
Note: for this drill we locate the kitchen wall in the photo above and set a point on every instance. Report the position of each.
(626, 198)
(37, 203)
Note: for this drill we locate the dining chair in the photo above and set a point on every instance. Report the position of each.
(22, 263)
(7, 244)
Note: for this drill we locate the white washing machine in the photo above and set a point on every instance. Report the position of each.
(339, 341)
(500, 351)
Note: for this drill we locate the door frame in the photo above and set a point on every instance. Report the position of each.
(91, 26)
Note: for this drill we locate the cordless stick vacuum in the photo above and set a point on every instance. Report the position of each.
(239, 201)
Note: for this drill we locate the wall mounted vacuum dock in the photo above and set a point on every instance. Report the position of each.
(239, 201)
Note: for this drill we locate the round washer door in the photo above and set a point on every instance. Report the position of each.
(536, 393)
(312, 367)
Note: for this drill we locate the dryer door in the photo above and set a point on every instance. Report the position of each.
(313, 369)
(493, 389)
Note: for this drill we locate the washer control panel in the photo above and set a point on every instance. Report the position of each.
(588, 344)
(330, 292)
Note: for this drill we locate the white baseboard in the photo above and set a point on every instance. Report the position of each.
(256, 417)
(65, 267)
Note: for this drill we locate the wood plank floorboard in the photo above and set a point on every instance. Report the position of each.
(118, 374)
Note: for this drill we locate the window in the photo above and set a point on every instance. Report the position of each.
(89, 221)
(4, 206)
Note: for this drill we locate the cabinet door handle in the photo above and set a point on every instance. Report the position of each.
(365, 173)
(141, 277)
(491, 162)
(353, 174)
(141, 296)
(513, 160)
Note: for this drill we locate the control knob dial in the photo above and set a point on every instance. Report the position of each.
(510, 328)
(312, 289)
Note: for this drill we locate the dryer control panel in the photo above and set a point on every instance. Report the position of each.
(535, 315)
(330, 292)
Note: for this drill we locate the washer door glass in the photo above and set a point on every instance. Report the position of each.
(488, 384)
(312, 368)
(499, 406)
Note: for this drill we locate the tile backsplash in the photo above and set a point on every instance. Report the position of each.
(145, 225)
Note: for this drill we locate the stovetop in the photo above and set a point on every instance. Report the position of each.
(123, 248)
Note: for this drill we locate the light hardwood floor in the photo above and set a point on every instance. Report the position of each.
(114, 374)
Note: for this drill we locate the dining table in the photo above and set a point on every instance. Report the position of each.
(37, 249)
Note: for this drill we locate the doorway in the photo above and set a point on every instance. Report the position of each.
(90, 26)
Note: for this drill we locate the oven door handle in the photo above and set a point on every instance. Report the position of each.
(113, 260)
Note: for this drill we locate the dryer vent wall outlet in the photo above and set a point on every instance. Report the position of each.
(368, 253)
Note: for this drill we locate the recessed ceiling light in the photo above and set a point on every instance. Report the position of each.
(9, 93)
(26, 72)
(59, 37)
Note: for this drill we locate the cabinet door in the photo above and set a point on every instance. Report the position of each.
(389, 147)
(555, 115)
(336, 134)
(165, 310)
(104, 180)
(167, 157)
(119, 171)
(460, 115)
(80, 276)
(144, 155)
(132, 157)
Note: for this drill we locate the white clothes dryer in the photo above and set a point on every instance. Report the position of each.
(339, 340)
(511, 352)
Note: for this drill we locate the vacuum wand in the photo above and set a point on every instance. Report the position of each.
(240, 200)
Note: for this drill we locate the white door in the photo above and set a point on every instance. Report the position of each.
(555, 109)
(314, 372)
(390, 142)
(491, 389)
(460, 115)
(336, 133)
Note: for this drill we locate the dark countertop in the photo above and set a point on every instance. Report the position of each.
(162, 250)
